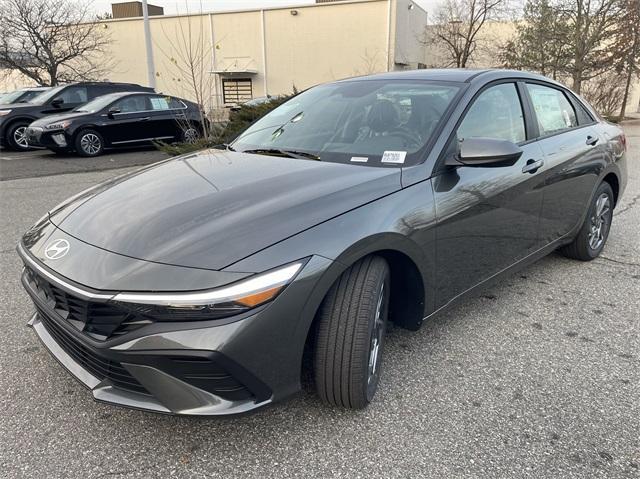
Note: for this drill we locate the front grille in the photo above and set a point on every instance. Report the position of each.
(100, 321)
(100, 367)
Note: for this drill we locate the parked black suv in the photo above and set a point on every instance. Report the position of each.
(16, 117)
(118, 119)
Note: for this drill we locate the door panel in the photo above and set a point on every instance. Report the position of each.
(487, 220)
(132, 124)
(573, 159)
(570, 174)
(487, 216)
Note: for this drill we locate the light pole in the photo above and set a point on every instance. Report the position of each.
(151, 71)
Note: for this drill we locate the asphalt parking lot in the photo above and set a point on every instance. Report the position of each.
(538, 376)
(38, 163)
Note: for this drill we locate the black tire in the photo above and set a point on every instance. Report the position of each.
(89, 143)
(584, 246)
(15, 134)
(344, 340)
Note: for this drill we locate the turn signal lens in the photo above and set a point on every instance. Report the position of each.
(257, 299)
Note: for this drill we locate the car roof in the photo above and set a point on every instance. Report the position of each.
(34, 88)
(459, 75)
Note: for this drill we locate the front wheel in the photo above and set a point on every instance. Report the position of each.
(593, 234)
(89, 143)
(17, 136)
(350, 336)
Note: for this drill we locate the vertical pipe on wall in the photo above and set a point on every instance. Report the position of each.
(151, 70)
(216, 90)
(389, 35)
(264, 53)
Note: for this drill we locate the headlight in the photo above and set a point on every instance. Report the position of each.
(60, 125)
(216, 303)
(5, 112)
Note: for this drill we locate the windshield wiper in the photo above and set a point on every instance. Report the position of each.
(286, 153)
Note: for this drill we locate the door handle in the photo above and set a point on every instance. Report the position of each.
(532, 166)
(592, 140)
(146, 118)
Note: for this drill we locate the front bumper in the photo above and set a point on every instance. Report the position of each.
(38, 137)
(216, 367)
(138, 385)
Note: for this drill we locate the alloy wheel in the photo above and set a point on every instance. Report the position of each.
(90, 144)
(599, 222)
(20, 137)
(377, 336)
(191, 135)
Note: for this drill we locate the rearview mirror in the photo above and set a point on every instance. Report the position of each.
(56, 102)
(113, 111)
(487, 152)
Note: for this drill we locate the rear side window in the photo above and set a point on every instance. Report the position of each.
(160, 103)
(165, 103)
(584, 117)
(496, 114)
(553, 109)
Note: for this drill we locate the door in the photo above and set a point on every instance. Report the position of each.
(487, 216)
(574, 157)
(168, 119)
(68, 99)
(132, 124)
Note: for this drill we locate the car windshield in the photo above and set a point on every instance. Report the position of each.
(369, 122)
(47, 95)
(11, 97)
(99, 103)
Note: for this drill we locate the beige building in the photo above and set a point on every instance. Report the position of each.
(253, 53)
(239, 55)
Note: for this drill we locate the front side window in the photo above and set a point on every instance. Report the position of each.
(496, 114)
(131, 104)
(74, 94)
(553, 110)
(368, 122)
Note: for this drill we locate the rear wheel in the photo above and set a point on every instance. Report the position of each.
(89, 143)
(593, 234)
(350, 337)
(190, 135)
(17, 136)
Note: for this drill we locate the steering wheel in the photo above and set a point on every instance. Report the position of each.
(411, 138)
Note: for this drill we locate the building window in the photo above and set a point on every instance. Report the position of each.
(236, 90)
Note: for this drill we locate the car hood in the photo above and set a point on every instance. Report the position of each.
(23, 107)
(214, 208)
(59, 117)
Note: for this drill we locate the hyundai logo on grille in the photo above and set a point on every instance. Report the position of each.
(57, 249)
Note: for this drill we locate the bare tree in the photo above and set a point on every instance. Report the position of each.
(541, 42)
(189, 62)
(626, 48)
(458, 24)
(605, 93)
(52, 41)
(592, 25)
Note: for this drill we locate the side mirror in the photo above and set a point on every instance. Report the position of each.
(112, 112)
(487, 152)
(57, 102)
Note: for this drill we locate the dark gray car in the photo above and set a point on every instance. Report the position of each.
(195, 285)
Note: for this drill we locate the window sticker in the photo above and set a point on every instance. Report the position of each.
(359, 159)
(159, 104)
(396, 157)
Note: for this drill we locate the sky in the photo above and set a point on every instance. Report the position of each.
(180, 6)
